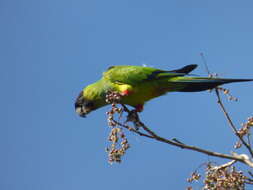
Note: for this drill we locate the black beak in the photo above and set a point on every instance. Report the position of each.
(82, 106)
(80, 110)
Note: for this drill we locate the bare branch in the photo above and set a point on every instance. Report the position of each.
(151, 134)
(228, 164)
(132, 129)
(231, 123)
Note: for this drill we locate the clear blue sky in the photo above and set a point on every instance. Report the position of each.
(51, 49)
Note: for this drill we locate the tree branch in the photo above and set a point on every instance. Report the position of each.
(151, 134)
(231, 124)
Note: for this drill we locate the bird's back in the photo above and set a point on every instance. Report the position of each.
(146, 82)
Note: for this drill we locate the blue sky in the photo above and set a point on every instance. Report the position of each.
(51, 49)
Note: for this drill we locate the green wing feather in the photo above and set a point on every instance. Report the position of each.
(164, 81)
(134, 75)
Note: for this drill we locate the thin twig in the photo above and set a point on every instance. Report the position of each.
(132, 129)
(248, 139)
(231, 124)
(204, 61)
(249, 182)
(250, 173)
(230, 163)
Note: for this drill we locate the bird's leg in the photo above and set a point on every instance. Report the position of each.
(134, 117)
(125, 108)
(139, 108)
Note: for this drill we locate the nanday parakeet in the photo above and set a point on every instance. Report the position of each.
(138, 84)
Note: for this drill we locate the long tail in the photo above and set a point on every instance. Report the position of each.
(195, 84)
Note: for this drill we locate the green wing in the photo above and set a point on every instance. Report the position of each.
(137, 74)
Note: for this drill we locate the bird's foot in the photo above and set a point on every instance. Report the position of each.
(134, 117)
(139, 108)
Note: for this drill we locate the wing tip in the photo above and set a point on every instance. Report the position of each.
(186, 69)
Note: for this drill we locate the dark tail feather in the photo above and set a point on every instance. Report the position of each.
(186, 69)
(206, 84)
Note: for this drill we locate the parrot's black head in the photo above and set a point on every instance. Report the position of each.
(83, 106)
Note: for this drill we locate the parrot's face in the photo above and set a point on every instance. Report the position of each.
(84, 106)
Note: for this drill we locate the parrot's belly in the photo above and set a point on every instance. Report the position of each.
(140, 95)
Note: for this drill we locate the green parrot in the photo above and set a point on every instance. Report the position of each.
(138, 84)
